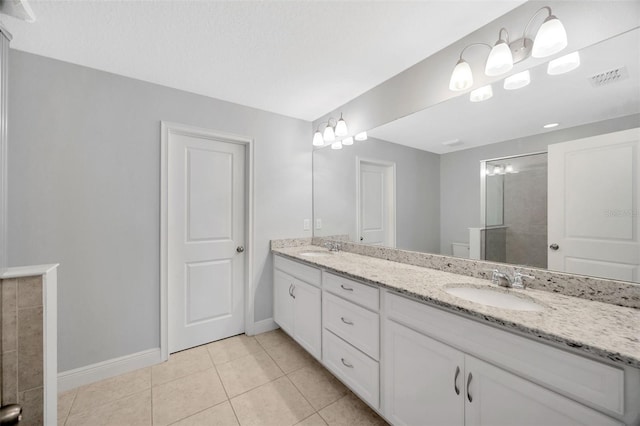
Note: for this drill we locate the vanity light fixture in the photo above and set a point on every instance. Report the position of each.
(481, 94)
(332, 129)
(517, 81)
(564, 64)
(550, 38)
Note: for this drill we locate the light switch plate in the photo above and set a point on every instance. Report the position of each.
(307, 224)
(318, 223)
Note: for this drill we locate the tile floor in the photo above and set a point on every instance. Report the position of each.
(263, 380)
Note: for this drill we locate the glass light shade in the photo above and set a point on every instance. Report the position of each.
(564, 64)
(362, 136)
(497, 170)
(500, 59)
(317, 139)
(509, 168)
(341, 128)
(347, 141)
(461, 78)
(551, 38)
(517, 81)
(481, 94)
(329, 135)
(336, 145)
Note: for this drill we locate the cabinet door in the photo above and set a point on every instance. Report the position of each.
(495, 397)
(423, 379)
(283, 300)
(307, 318)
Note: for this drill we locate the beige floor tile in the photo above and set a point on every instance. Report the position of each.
(65, 400)
(272, 338)
(248, 372)
(134, 410)
(314, 420)
(181, 364)
(186, 396)
(220, 415)
(276, 403)
(232, 348)
(109, 390)
(290, 356)
(350, 411)
(317, 385)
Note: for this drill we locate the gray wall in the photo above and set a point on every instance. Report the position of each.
(417, 192)
(460, 174)
(84, 176)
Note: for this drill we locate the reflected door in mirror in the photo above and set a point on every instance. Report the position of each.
(376, 206)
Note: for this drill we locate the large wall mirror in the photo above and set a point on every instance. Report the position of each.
(487, 180)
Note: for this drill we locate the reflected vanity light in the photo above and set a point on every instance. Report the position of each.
(481, 94)
(564, 64)
(550, 38)
(347, 141)
(517, 81)
(362, 136)
(336, 145)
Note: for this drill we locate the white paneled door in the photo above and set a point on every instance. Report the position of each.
(376, 203)
(594, 195)
(206, 237)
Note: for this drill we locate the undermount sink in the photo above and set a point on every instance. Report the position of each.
(494, 298)
(316, 253)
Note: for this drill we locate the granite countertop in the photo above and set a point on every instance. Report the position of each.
(597, 328)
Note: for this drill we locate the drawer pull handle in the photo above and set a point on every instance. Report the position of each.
(346, 288)
(468, 385)
(455, 381)
(346, 364)
(346, 321)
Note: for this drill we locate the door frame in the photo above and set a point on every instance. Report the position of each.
(391, 203)
(167, 129)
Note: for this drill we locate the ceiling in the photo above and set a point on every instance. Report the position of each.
(569, 99)
(296, 58)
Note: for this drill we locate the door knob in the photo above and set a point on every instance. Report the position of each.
(10, 414)
(554, 246)
(361, 238)
(240, 249)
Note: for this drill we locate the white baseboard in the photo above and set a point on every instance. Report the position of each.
(264, 326)
(71, 379)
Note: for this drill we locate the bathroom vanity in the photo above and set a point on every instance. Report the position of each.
(418, 354)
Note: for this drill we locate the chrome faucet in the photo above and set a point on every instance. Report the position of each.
(332, 245)
(504, 279)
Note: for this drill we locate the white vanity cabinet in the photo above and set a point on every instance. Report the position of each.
(431, 376)
(297, 303)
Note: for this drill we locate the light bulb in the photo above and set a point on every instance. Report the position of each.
(347, 141)
(481, 94)
(551, 38)
(509, 168)
(362, 136)
(517, 81)
(329, 135)
(461, 77)
(564, 64)
(500, 59)
(317, 139)
(341, 127)
(497, 170)
(336, 145)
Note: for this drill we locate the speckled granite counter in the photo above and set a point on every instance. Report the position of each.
(600, 329)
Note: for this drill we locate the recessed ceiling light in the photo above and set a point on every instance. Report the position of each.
(550, 125)
(452, 142)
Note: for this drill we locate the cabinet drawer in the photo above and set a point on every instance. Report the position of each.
(358, 326)
(354, 368)
(298, 270)
(362, 294)
(593, 383)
